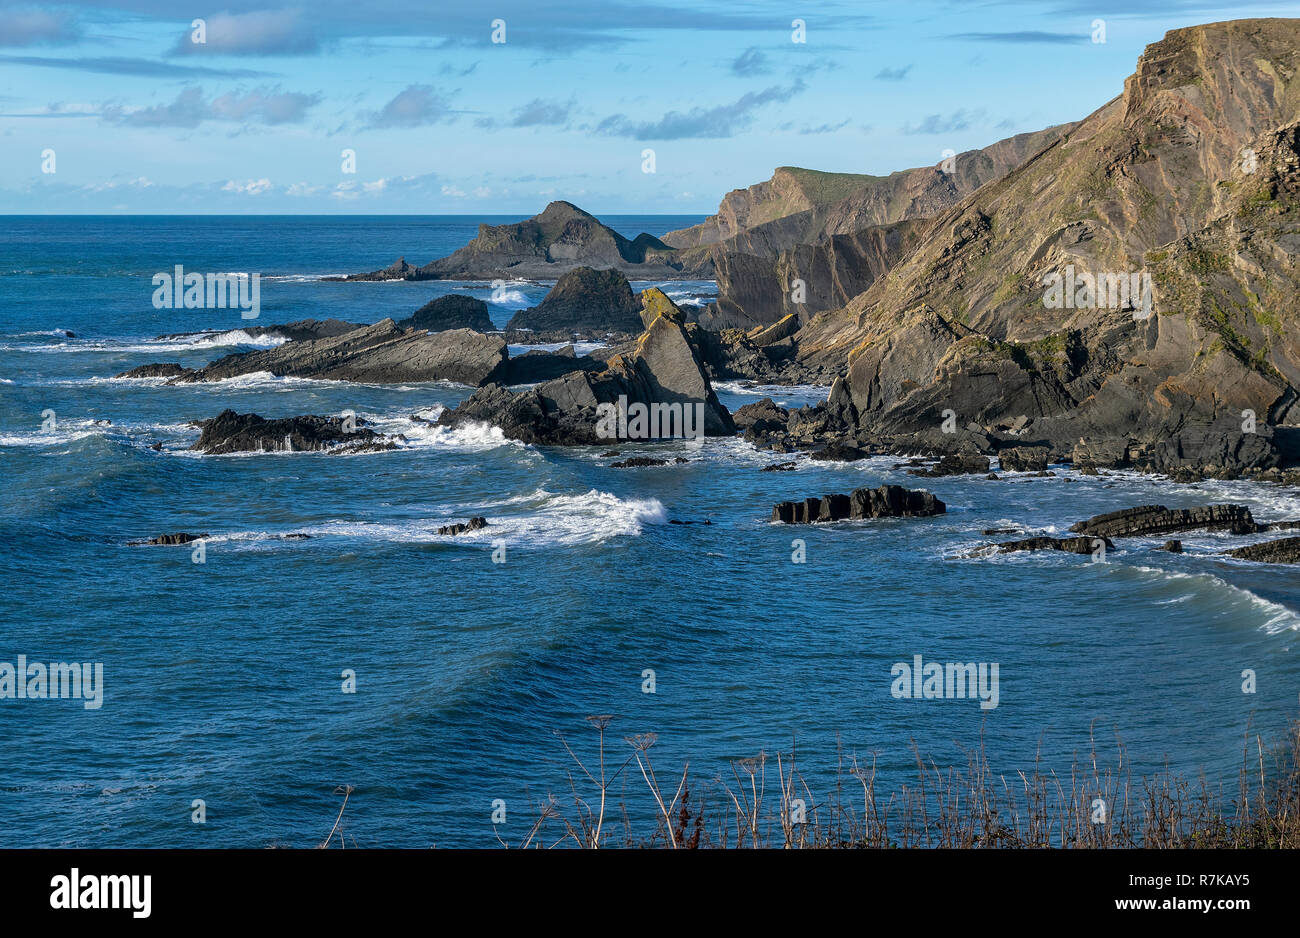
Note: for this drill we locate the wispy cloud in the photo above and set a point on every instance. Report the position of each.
(262, 32)
(750, 62)
(724, 120)
(414, 106)
(124, 66)
(960, 119)
(893, 74)
(1023, 36)
(191, 108)
(31, 27)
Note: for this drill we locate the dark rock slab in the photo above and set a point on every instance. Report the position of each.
(1070, 545)
(231, 432)
(1286, 550)
(157, 370)
(1146, 520)
(955, 464)
(168, 540)
(888, 501)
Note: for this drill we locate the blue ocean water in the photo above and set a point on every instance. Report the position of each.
(223, 680)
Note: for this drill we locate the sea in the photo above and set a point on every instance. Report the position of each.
(444, 685)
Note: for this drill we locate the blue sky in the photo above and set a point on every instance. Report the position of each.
(442, 120)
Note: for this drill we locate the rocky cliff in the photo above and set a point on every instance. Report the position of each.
(836, 232)
(1189, 177)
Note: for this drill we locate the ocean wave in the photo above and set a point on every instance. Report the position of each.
(579, 348)
(541, 519)
(1219, 598)
(783, 394)
(514, 299)
(205, 340)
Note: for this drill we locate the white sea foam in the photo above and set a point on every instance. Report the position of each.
(579, 348)
(542, 519)
(1275, 617)
(785, 395)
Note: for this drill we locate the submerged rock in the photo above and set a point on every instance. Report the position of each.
(888, 501)
(955, 464)
(1286, 550)
(1070, 545)
(158, 370)
(1157, 519)
(231, 432)
(474, 524)
(168, 540)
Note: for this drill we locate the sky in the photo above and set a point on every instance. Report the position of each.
(496, 107)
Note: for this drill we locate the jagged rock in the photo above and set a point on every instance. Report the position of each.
(955, 464)
(888, 501)
(780, 467)
(1286, 550)
(474, 524)
(159, 370)
(536, 366)
(638, 462)
(1070, 545)
(762, 416)
(561, 238)
(383, 353)
(839, 451)
(1173, 547)
(167, 540)
(1024, 459)
(664, 368)
(587, 300)
(292, 331)
(453, 311)
(1146, 520)
(231, 432)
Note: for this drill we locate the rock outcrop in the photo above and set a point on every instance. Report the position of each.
(453, 311)
(1148, 520)
(474, 524)
(168, 540)
(1024, 458)
(664, 369)
(1069, 545)
(383, 353)
(156, 370)
(1286, 550)
(561, 238)
(888, 501)
(231, 432)
(584, 300)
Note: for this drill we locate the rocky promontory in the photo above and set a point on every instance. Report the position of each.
(561, 238)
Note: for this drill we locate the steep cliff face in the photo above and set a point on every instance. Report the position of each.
(790, 191)
(765, 237)
(1188, 177)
